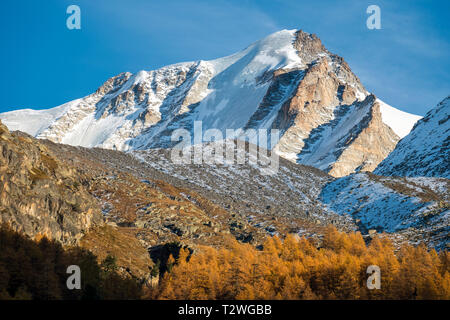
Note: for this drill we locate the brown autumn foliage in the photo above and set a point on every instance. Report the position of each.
(296, 269)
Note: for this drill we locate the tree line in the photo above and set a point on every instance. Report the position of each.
(289, 268)
(294, 268)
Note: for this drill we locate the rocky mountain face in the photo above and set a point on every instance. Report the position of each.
(147, 195)
(287, 81)
(114, 203)
(201, 204)
(300, 199)
(280, 203)
(40, 195)
(426, 150)
(132, 205)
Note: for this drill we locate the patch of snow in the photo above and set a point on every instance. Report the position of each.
(399, 121)
(34, 122)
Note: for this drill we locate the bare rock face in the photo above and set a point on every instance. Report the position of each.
(364, 150)
(39, 195)
(326, 126)
(308, 46)
(311, 106)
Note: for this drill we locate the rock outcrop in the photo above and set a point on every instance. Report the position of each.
(40, 196)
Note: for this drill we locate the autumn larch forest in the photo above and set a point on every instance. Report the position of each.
(289, 268)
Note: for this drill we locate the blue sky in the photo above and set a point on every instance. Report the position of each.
(44, 64)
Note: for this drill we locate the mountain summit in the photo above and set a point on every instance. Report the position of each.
(287, 81)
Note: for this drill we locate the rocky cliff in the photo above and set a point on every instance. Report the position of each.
(39, 194)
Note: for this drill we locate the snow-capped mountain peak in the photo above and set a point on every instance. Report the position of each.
(288, 81)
